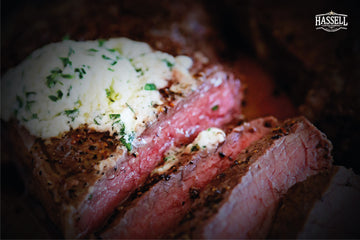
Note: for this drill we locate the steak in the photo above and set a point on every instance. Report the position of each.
(241, 202)
(323, 206)
(83, 176)
(171, 197)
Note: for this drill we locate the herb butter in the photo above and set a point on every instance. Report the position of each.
(110, 85)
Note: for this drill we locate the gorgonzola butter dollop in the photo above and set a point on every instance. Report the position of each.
(110, 85)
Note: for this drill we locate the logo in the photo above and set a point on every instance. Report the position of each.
(331, 21)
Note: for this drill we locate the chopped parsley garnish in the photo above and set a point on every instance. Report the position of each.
(105, 57)
(125, 139)
(168, 63)
(34, 116)
(214, 108)
(114, 116)
(58, 97)
(68, 76)
(128, 143)
(20, 101)
(53, 98)
(65, 61)
(59, 94)
(93, 50)
(111, 50)
(27, 94)
(81, 72)
(150, 86)
(101, 42)
(113, 63)
(139, 70)
(97, 119)
(51, 79)
(28, 105)
(72, 113)
(111, 70)
(71, 51)
(130, 107)
(111, 94)
(68, 92)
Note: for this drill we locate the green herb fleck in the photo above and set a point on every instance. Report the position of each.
(72, 113)
(110, 69)
(71, 51)
(111, 94)
(51, 79)
(81, 72)
(128, 143)
(214, 108)
(20, 101)
(34, 116)
(105, 57)
(58, 97)
(114, 116)
(150, 86)
(65, 61)
(53, 98)
(27, 94)
(101, 42)
(111, 50)
(139, 70)
(113, 63)
(97, 119)
(93, 50)
(90, 197)
(68, 92)
(68, 76)
(28, 105)
(168, 63)
(130, 107)
(59, 94)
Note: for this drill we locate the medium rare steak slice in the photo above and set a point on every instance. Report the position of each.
(83, 176)
(240, 202)
(323, 206)
(171, 197)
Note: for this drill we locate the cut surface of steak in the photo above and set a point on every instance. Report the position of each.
(215, 103)
(323, 206)
(170, 198)
(240, 203)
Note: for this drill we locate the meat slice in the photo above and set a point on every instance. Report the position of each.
(241, 202)
(170, 198)
(323, 206)
(80, 197)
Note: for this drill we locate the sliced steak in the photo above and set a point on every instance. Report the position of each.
(170, 198)
(323, 206)
(241, 202)
(82, 177)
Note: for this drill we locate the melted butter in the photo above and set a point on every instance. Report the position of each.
(108, 85)
(207, 140)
